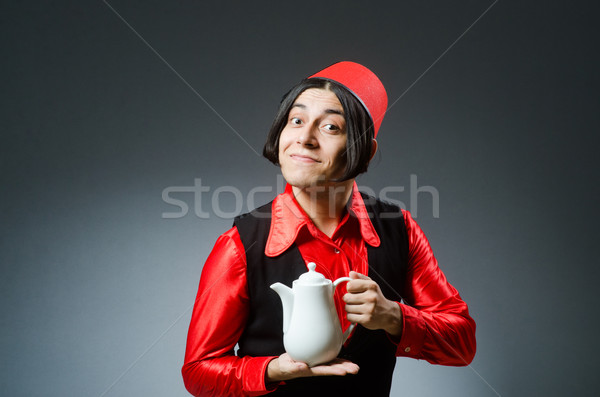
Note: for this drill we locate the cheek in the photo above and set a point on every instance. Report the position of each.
(340, 157)
(284, 141)
(339, 152)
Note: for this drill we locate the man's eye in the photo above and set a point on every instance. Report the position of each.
(331, 127)
(295, 120)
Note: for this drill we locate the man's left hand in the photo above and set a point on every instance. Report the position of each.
(366, 305)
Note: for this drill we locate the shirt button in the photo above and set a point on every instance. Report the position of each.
(407, 350)
(337, 251)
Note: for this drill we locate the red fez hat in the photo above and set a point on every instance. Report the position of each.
(363, 84)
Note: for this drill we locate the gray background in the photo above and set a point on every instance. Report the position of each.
(97, 286)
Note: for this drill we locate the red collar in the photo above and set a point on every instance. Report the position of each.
(288, 218)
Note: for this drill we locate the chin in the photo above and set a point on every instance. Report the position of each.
(301, 180)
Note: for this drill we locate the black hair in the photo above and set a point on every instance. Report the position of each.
(359, 126)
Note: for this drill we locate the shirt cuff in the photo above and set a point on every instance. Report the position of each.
(414, 330)
(255, 371)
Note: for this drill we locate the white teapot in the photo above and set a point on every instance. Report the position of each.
(311, 329)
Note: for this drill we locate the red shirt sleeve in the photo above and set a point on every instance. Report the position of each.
(436, 322)
(218, 320)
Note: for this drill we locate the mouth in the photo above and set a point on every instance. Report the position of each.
(304, 159)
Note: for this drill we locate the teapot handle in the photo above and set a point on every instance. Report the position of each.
(352, 325)
(340, 280)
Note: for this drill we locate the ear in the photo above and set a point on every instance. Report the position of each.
(373, 149)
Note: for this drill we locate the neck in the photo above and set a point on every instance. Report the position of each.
(324, 204)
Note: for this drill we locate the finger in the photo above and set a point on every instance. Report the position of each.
(355, 298)
(359, 285)
(357, 318)
(360, 308)
(337, 367)
(358, 276)
(347, 367)
(328, 371)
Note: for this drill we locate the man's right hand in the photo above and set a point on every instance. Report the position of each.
(284, 368)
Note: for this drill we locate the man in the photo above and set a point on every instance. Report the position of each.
(323, 137)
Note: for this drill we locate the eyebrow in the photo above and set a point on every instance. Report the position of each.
(328, 111)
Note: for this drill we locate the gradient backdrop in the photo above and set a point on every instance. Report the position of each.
(497, 111)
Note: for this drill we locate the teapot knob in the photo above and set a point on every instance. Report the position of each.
(312, 277)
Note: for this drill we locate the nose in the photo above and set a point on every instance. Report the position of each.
(308, 136)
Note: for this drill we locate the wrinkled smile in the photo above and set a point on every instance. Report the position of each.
(304, 159)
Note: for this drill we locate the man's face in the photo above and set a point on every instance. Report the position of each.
(313, 142)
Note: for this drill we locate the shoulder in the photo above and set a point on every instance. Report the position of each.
(226, 261)
(229, 242)
(262, 212)
(250, 223)
(382, 209)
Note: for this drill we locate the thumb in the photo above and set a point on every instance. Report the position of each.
(358, 276)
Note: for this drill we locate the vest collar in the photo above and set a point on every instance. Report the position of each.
(288, 218)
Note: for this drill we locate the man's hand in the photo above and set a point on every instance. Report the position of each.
(284, 368)
(366, 305)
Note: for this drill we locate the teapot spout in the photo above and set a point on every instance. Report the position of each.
(286, 294)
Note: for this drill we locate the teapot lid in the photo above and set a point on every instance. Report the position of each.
(312, 277)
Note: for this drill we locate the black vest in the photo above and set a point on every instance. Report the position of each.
(371, 350)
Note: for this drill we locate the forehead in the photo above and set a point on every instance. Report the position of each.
(319, 98)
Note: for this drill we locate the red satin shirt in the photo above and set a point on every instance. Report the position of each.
(436, 322)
